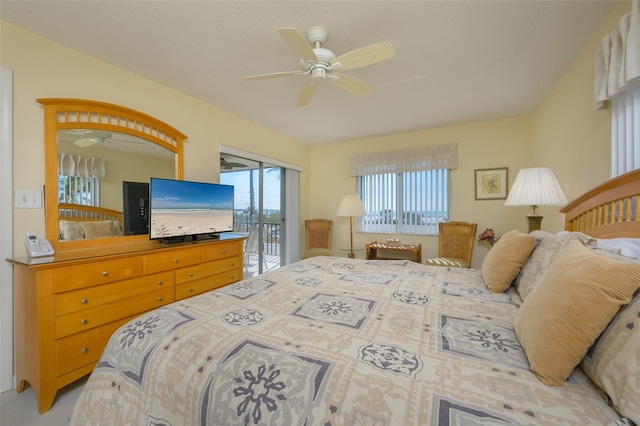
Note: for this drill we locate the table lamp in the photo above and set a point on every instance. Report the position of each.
(351, 206)
(535, 187)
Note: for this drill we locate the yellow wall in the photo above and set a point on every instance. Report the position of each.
(498, 143)
(43, 69)
(569, 135)
(564, 133)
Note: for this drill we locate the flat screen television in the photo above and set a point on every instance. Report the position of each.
(135, 208)
(181, 209)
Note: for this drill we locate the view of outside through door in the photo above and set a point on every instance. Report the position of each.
(257, 201)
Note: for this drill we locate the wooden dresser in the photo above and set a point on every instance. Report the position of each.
(68, 306)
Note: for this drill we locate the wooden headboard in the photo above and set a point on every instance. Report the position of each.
(610, 210)
(80, 213)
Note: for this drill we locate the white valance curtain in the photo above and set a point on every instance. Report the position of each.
(417, 159)
(75, 165)
(618, 62)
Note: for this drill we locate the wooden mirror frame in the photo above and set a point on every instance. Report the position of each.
(62, 114)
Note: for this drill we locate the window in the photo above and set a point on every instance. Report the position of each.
(625, 131)
(617, 79)
(405, 203)
(79, 179)
(79, 190)
(405, 191)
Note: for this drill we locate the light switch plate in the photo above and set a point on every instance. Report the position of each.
(28, 199)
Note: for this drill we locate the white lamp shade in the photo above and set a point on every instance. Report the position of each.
(351, 206)
(536, 187)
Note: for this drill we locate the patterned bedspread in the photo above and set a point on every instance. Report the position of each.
(332, 341)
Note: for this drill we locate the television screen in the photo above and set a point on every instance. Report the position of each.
(135, 208)
(182, 208)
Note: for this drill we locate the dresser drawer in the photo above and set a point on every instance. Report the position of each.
(221, 250)
(195, 272)
(84, 348)
(171, 260)
(72, 301)
(74, 277)
(86, 319)
(208, 283)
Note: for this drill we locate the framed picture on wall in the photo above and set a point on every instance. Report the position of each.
(491, 184)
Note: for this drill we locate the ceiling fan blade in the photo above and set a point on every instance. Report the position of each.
(367, 55)
(272, 75)
(307, 93)
(298, 44)
(353, 85)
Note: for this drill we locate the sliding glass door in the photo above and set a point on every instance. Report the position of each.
(258, 204)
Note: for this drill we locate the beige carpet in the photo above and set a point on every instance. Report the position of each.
(20, 409)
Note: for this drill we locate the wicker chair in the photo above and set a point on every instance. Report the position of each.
(252, 245)
(456, 244)
(318, 237)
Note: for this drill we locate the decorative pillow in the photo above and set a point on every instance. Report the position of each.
(612, 361)
(504, 260)
(70, 230)
(117, 228)
(545, 252)
(573, 303)
(98, 229)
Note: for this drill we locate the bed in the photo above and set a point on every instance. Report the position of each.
(76, 221)
(338, 341)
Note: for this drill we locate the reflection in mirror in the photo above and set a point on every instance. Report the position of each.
(91, 149)
(96, 167)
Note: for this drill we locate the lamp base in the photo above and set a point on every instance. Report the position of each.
(535, 222)
(351, 255)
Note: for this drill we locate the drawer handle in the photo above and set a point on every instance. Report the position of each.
(224, 251)
(84, 301)
(176, 260)
(105, 273)
(83, 321)
(233, 277)
(190, 288)
(160, 298)
(85, 350)
(159, 282)
(233, 264)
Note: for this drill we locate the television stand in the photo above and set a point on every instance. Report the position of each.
(202, 237)
(172, 240)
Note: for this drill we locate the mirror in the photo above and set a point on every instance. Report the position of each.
(86, 139)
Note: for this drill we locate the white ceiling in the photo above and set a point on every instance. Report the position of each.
(456, 61)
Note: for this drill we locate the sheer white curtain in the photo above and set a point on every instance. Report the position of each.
(617, 79)
(417, 159)
(75, 165)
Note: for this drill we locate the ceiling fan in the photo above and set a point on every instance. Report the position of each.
(92, 137)
(321, 63)
(228, 165)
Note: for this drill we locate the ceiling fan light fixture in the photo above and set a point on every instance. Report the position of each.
(318, 73)
(85, 142)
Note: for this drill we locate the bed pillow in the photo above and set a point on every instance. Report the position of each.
(547, 248)
(98, 229)
(612, 361)
(629, 247)
(70, 230)
(117, 228)
(573, 303)
(504, 260)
